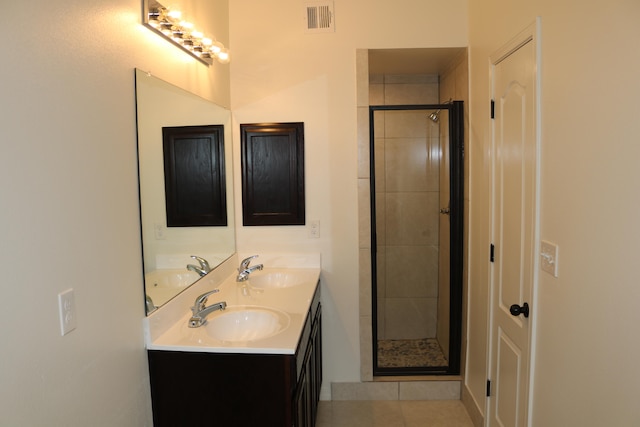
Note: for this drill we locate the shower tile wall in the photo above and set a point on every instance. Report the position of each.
(407, 204)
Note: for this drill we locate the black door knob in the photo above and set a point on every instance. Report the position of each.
(516, 310)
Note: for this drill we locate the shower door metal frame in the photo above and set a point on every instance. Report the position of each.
(456, 217)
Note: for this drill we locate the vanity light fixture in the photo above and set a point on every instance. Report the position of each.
(171, 25)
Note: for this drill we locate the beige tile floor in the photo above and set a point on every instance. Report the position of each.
(393, 413)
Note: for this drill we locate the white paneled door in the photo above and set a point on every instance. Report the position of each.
(514, 216)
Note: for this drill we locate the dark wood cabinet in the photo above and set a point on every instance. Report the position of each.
(195, 186)
(303, 404)
(272, 164)
(310, 380)
(240, 390)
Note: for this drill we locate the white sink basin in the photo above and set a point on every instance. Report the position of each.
(246, 323)
(170, 278)
(162, 285)
(279, 278)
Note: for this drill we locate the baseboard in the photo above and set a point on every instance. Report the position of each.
(472, 407)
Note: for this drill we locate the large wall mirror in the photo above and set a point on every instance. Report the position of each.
(167, 251)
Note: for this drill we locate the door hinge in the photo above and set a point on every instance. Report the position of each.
(493, 109)
(492, 251)
(488, 388)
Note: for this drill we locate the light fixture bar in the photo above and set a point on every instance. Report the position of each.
(172, 26)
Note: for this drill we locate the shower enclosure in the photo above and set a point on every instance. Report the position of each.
(417, 219)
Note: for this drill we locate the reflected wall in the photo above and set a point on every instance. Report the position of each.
(168, 249)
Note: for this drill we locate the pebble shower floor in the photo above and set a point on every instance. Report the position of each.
(410, 353)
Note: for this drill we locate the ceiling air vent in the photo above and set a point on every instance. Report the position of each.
(319, 17)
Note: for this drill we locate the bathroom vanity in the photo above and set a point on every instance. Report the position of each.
(199, 379)
(256, 363)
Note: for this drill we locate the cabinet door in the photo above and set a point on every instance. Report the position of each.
(302, 401)
(227, 385)
(313, 394)
(194, 176)
(317, 360)
(272, 163)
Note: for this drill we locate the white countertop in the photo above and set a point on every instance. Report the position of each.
(294, 301)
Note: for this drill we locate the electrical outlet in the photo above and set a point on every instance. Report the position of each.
(314, 229)
(549, 257)
(158, 230)
(67, 309)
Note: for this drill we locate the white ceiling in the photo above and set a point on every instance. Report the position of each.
(412, 61)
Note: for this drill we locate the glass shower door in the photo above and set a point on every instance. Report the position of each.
(411, 239)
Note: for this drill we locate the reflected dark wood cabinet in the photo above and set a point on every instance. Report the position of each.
(195, 187)
(240, 390)
(272, 173)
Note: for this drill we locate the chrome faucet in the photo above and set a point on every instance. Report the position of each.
(204, 266)
(149, 304)
(203, 263)
(244, 264)
(200, 311)
(244, 270)
(198, 270)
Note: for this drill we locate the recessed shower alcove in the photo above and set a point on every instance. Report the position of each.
(411, 176)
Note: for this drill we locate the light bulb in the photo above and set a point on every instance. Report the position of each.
(174, 14)
(223, 56)
(216, 47)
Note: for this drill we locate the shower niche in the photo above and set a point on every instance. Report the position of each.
(417, 158)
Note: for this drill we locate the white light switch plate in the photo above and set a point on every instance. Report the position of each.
(549, 257)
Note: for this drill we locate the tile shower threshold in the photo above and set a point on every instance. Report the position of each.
(435, 389)
(410, 378)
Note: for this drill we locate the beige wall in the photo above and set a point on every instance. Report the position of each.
(279, 73)
(586, 345)
(69, 215)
